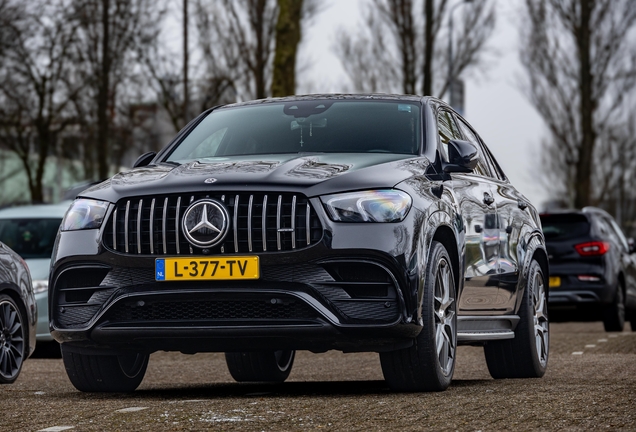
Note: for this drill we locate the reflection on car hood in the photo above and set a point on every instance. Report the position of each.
(39, 268)
(315, 174)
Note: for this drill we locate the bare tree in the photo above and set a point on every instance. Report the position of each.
(35, 86)
(397, 49)
(238, 36)
(580, 61)
(110, 34)
(288, 34)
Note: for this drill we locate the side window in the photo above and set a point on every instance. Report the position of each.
(482, 167)
(492, 162)
(602, 226)
(447, 130)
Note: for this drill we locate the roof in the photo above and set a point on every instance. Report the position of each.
(334, 96)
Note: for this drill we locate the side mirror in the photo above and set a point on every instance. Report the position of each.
(462, 157)
(632, 245)
(144, 159)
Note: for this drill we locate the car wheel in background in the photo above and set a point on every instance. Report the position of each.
(260, 366)
(12, 340)
(429, 364)
(614, 313)
(525, 356)
(105, 373)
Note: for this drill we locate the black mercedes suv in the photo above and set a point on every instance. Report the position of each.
(592, 266)
(349, 222)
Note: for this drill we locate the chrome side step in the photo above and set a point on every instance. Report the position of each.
(474, 328)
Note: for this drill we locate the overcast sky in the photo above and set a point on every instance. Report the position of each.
(495, 105)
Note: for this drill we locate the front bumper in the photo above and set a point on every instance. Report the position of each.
(327, 296)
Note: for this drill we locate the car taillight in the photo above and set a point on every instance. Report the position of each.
(592, 248)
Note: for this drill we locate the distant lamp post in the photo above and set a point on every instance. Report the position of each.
(456, 98)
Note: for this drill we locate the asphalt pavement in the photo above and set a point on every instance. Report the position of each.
(590, 384)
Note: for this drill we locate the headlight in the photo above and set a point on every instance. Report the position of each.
(84, 214)
(40, 286)
(368, 206)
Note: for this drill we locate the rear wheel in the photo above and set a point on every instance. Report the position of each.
(105, 373)
(525, 356)
(429, 364)
(260, 366)
(614, 313)
(12, 340)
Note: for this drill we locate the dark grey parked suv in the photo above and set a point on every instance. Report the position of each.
(591, 264)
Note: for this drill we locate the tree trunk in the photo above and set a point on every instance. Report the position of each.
(584, 163)
(186, 102)
(288, 34)
(102, 97)
(429, 46)
(259, 73)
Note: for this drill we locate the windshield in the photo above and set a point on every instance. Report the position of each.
(304, 127)
(30, 238)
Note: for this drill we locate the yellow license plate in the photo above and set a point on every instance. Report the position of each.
(555, 281)
(206, 268)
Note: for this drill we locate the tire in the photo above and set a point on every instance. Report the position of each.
(429, 364)
(260, 366)
(525, 356)
(105, 373)
(13, 344)
(632, 321)
(614, 313)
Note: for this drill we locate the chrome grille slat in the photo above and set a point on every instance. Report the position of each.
(259, 222)
(152, 226)
(235, 224)
(264, 224)
(163, 225)
(293, 222)
(176, 225)
(115, 229)
(307, 224)
(126, 224)
(141, 204)
(278, 210)
(249, 223)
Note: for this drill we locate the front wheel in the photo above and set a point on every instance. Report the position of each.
(12, 340)
(105, 373)
(525, 356)
(260, 366)
(429, 364)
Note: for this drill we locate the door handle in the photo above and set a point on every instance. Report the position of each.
(488, 199)
(522, 204)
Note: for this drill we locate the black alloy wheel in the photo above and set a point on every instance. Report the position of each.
(260, 366)
(12, 340)
(429, 364)
(525, 356)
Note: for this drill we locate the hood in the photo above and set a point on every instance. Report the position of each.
(313, 174)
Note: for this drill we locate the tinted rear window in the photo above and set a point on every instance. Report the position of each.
(564, 226)
(304, 126)
(30, 238)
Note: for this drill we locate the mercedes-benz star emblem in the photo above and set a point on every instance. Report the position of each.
(205, 223)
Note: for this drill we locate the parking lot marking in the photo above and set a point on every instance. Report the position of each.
(577, 353)
(56, 428)
(590, 346)
(131, 409)
(602, 340)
